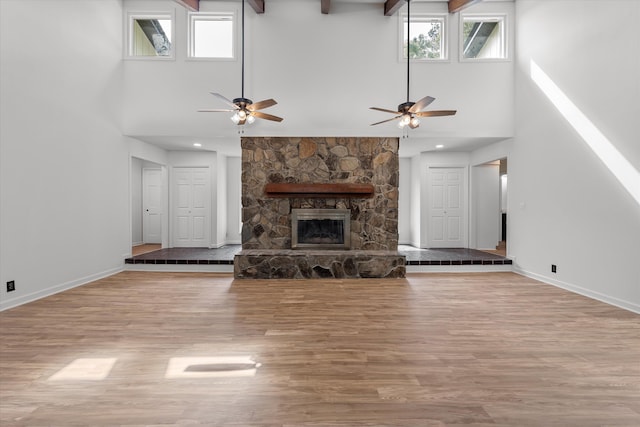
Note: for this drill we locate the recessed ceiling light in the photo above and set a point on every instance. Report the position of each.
(197, 144)
(439, 146)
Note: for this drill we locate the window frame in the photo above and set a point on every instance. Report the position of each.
(191, 45)
(501, 18)
(424, 17)
(129, 34)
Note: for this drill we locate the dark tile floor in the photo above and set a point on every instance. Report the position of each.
(453, 256)
(225, 254)
(220, 256)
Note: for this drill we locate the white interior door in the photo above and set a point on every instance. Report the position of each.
(191, 200)
(447, 219)
(151, 205)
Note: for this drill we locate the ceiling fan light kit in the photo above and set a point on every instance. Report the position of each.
(243, 109)
(408, 112)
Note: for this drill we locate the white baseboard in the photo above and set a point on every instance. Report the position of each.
(137, 243)
(222, 244)
(24, 299)
(607, 299)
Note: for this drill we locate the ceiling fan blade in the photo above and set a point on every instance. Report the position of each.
(423, 103)
(215, 111)
(388, 120)
(261, 105)
(226, 100)
(436, 113)
(265, 116)
(384, 110)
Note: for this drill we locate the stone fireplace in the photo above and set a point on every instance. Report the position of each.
(350, 185)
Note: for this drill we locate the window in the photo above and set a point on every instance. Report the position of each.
(428, 37)
(150, 36)
(483, 37)
(211, 35)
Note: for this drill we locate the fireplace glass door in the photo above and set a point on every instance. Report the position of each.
(320, 229)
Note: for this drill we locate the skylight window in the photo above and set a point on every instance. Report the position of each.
(428, 39)
(483, 37)
(150, 36)
(211, 35)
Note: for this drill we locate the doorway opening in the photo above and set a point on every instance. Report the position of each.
(490, 207)
(148, 206)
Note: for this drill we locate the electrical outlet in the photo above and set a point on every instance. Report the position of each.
(553, 268)
(11, 285)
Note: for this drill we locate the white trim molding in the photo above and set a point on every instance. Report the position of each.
(607, 299)
(52, 290)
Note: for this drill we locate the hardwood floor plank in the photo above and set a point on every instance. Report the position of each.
(490, 349)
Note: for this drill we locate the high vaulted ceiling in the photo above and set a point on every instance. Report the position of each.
(324, 84)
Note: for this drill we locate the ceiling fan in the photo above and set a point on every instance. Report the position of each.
(245, 110)
(408, 112)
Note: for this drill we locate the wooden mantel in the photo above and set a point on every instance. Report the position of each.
(329, 191)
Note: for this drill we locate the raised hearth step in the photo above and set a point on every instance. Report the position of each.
(317, 264)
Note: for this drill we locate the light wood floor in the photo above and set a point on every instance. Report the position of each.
(143, 249)
(491, 349)
(501, 249)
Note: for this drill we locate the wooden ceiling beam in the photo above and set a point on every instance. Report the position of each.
(257, 5)
(192, 5)
(458, 5)
(392, 6)
(325, 5)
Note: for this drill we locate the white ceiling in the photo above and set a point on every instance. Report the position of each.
(230, 146)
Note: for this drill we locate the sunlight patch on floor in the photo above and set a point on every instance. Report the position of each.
(85, 369)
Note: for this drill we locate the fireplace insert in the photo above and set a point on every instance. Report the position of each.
(320, 229)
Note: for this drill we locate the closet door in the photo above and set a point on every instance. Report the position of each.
(447, 218)
(191, 207)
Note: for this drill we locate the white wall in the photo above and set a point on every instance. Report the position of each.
(221, 202)
(148, 152)
(64, 165)
(416, 202)
(333, 66)
(499, 150)
(565, 206)
(404, 202)
(234, 196)
(136, 201)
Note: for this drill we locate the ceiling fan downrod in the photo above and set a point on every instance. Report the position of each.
(408, 48)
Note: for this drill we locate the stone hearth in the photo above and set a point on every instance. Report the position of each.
(315, 264)
(266, 218)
